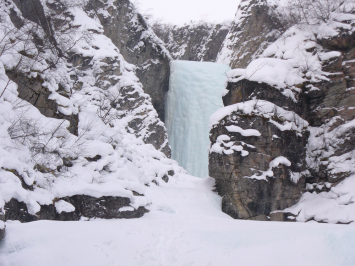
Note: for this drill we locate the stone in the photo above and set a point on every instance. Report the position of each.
(327, 107)
(196, 42)
(85, 206)
(128, 30)
(251, 34)
(249, 198)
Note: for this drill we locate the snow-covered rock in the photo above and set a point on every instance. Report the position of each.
(255, 172)
(75, 122)
(196, 41)
(302, 63)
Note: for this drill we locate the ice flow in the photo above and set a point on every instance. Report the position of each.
(195, 93)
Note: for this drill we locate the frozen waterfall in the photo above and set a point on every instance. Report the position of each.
(195, 93)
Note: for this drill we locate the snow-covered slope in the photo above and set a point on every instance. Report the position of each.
(79, 136)
(185, 227)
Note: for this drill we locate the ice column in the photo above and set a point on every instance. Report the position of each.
(195, 93)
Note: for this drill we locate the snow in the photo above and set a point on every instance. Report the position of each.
(244, 132)
(336, 203)
(194, 94)
(33, 147)
(184, 227)
(296, 56)
(276, 72)
(334, 206)
(63, 206)
(291, 121)
(269, 173)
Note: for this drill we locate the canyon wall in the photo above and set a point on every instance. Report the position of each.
(282, 148)
(82, 93)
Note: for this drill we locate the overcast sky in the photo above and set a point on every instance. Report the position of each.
(183, 11)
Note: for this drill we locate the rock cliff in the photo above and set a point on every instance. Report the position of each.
(82, 89)
(282, 148)
(138, 44)
(193, 42)
(252, 30)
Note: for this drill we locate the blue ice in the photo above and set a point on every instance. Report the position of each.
(195, 93)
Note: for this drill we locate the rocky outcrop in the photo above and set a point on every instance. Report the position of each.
(257, 157)
(279, 150)
(138, 44)
(33, 91)
(252, 30)
(193, 42)
(79, 127)
(83, 207)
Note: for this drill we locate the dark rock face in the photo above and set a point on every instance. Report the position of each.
(326, 106)
(331, 107)
(139, 46)
(85, 206)
(32, 91)
(251, 32)
(246, 90)
(2, 233)
(33, 11)
(238, 176)
(196, 42)
(2, 229)
(150, 62)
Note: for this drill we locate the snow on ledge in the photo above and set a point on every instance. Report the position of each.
(126, 209)
(273, 71)
(265, 109)
(63, 206)
(269, 173)
(222, 142)
(244, 132)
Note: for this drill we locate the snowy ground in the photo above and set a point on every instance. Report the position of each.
(185, 227)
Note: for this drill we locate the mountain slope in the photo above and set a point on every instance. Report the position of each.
(79, 135)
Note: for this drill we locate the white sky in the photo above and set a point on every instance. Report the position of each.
(183, 11)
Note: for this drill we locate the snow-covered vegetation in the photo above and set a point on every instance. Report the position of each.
(41, 159)
(82, 87)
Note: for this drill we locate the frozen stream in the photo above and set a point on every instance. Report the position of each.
(195, 93)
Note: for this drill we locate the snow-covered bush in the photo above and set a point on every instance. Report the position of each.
(84, 83)
(309, 12)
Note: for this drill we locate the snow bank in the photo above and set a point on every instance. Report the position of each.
(184, 226)
(275, 72)
(335, 206)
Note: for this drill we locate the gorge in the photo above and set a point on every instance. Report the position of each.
(193, 130)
